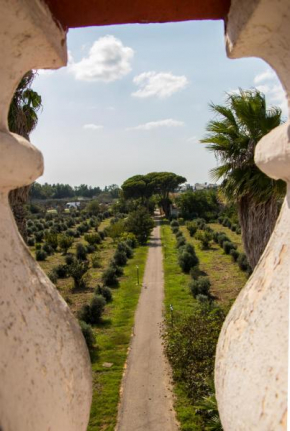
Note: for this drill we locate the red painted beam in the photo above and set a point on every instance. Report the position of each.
(84, 13)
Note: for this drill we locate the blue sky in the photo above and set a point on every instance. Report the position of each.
(134, 99)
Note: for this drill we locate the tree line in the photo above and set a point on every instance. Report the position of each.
(62, 191)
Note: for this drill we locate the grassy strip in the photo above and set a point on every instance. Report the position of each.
(226, 282)
(234, 237)
(225, 276)
(177, 294)
(113, 338)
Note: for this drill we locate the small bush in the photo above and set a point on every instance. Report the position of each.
(109, 276)
(39, 236)
(40, 255)
(30, 242)
(222, 238)
(105, 292)
(178, 234)
(47, 248)
(192, 228)
(243, 262)
(93, 238)
(120, 257)
(97, 307)
(187, 261)
(52, 275)
(175, 230)
(81, 252)
(228, 246)
(96, 263)
(65, 242)
(77, 270)
(88, 334)
(85, 313)
(200, 286)
(51, 239)
(90, 248)
(181, 241)
(69, 259)
(205, 238)
(61, 271)
(235, 254)
(174, 223)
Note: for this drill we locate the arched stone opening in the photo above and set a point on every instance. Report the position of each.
(252, 353)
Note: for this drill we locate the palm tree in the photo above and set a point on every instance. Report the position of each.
(233, 136)
(22, 119)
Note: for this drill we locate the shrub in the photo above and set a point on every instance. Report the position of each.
(77, 270)
(51, 239)
(243, 262)
(96, 261)
(178, 234)
(88, 334)
(47, 248)
(205, 238)
(109, 276)
(174, 223)
(192, 228)
(140, 223)
(93, 238)
(238, 231)
(40, 255)
(85, 313)
(30, 242)
(61, 271)
(65, 242)
(190, 345)
(52, 275)
(37, 246)
(90, 248)
(97, 307)
(228, 246)
(131, 240)
(235, 254)
(187, 261)
(105, 292)
(120, 257)
(180, 242)
(81, 252)
(175, 230)
(124, 246)
(201, 224)
(221, 238)
(39, 236)
(69, 259)
(200, 286)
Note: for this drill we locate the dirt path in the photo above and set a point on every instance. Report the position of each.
(146, 402)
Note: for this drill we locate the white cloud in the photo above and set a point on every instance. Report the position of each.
(93, 126)
(156, 124)
(193, 139)
(272, 88)
(264, 76)
(160, 84)
(44, 72)
(108, 60)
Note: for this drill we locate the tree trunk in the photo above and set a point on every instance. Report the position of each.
(257, 223)
(18, 199)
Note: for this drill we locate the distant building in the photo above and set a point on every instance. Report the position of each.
(204, 186)
(74, 205)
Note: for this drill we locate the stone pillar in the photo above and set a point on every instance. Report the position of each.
(45, 373)
(251, 361)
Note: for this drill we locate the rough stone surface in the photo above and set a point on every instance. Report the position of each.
(45, 369)
(251, 361)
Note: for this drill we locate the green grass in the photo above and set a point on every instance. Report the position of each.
(225, 276)
(233, 236)
(226, 282)
(113, 335)
(178, 295)
(113, 338)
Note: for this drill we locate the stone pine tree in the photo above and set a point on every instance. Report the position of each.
(22, 119)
